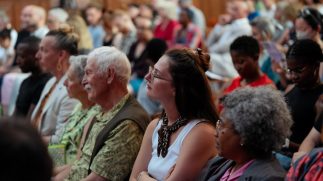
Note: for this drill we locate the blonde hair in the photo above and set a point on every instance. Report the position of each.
(79, 25)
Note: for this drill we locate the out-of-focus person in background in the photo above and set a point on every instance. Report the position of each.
(56, 16)
(94, 14)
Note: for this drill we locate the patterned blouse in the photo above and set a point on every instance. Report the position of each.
(65, 152)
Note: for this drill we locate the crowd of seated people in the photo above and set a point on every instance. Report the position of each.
(151, 93)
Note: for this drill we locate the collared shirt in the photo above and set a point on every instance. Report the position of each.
(115, 159)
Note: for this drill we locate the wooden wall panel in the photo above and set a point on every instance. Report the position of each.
(14, 7)
(122, 4)
(211, 8)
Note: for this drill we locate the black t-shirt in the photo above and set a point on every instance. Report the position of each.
(29, 93)
(140, 65)
(302, 106)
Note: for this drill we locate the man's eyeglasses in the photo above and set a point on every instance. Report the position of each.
(154, 74)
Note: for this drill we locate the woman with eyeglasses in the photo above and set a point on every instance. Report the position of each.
(179, 144)
(303, 61)
(254, 122)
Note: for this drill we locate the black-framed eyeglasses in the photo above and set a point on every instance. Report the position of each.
(154, 74)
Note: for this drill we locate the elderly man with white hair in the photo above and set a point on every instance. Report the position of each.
(113, 139)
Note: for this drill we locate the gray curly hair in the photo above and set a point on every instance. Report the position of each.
(78, 63)
(261, 118)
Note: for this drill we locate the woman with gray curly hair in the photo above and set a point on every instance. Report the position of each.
(253, 123)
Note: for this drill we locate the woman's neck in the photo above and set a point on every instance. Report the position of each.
(240, 161)
(60, 73)
(171, 113)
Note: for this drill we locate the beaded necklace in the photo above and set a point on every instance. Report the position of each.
(165, 132)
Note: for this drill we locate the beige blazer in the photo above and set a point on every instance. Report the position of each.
(56, 110)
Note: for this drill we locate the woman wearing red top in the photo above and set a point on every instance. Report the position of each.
(168, 24)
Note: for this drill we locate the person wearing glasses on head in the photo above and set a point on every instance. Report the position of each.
(254, 122)
(303, 60)
(309, 25)
(178, 145)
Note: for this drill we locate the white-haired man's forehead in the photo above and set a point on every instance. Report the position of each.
(91, 62)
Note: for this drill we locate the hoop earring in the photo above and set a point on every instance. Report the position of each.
(59, 67)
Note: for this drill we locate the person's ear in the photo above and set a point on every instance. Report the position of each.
(62, 55)
(110, 74)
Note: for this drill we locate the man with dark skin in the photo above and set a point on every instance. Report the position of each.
(32, 86)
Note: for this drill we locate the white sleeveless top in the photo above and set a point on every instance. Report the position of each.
(158, 167)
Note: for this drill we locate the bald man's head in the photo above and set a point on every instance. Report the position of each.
(32, 16)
